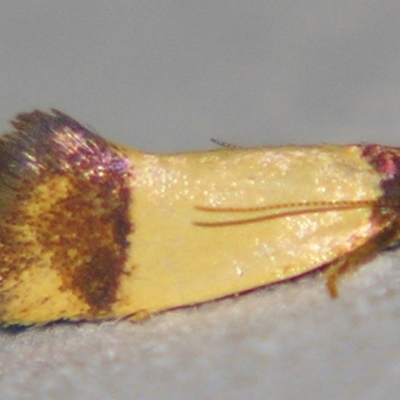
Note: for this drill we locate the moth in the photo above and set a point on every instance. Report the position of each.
(90, 230)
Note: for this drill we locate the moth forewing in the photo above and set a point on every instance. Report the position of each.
(90, 230)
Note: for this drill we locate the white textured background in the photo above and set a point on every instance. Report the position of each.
(167, 76)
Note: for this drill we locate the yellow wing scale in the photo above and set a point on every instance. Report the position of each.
(180, 261)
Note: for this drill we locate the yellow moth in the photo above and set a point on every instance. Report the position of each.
(90, 230)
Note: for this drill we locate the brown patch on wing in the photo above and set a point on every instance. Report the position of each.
(64, 200)
(86, 233)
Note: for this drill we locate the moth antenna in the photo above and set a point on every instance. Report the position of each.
(304, 205)
(262, 218)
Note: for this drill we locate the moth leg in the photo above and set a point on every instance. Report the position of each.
(383, 239)
(224, 144)
(139, 316)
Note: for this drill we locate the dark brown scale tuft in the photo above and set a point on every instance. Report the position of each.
(85, 231)
(386, 161)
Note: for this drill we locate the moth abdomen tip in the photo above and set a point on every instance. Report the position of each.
(64, 209)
